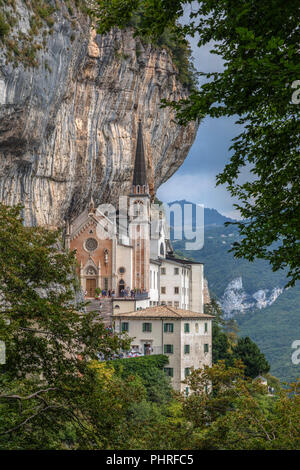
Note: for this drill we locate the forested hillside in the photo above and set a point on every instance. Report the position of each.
(272, 324)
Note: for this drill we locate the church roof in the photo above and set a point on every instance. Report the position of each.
(139, 175)
(163, 311)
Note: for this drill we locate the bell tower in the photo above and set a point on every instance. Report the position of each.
(139, 215)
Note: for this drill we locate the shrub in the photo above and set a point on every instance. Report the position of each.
(4, 27)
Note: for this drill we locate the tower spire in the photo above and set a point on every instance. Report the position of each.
(139, 182)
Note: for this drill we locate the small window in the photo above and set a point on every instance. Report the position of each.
(176, 270)
(168, 371)
(205, 328)
(186, 371)
(162, 270)
(168, 328)
(176, 290)
(168, 348)
(186, 349)
(187, 390)
(122, 270)
(176, 304)
(206, 348)
(147, 327)
(186, 327)
(124, 326)
(163, 290)
(196, 328)
(170, 303)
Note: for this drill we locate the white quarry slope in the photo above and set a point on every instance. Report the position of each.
(236, 300)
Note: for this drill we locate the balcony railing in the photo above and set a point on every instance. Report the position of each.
(134, 296)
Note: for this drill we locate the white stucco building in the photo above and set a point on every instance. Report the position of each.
(125, 257)
(184, 336)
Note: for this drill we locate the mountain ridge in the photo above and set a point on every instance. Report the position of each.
(252, 294)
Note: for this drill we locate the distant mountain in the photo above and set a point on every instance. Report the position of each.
(211, 216)
(251, 293)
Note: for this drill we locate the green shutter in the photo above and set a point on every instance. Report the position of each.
(186, 349)
(186, 327)
(168, 348)
(168, 328)
(206, 348)
(147, 327)
(125, 326)
(168, 371)
(205, 327)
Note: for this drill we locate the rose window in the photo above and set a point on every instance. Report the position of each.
(91, 244)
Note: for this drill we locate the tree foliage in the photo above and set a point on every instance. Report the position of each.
(49, 341)
(227, 347)
(258, 42)
(254, 360)
(229, 411)
(132, 14)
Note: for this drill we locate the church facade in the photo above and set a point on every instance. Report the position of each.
(125, 257)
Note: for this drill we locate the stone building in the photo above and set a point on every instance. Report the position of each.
(184, 336)
(126, 255)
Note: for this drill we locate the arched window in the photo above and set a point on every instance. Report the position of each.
(91, 244)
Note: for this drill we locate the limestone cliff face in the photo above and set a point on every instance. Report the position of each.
(68, 126)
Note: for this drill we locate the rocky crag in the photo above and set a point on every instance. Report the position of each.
(69, 115)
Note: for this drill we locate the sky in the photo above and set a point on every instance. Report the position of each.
(195, 180)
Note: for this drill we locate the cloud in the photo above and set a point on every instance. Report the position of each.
(195, 180)
(199, 188)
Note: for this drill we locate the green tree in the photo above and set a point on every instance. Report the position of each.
(46, 383)
(258, 42)
(220, 345)
(230, 411)
(150, 370)
(251, 356)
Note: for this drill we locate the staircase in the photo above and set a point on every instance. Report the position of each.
(105, 311)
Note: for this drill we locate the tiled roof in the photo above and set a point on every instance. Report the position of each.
(162, 311)
(181, 261)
